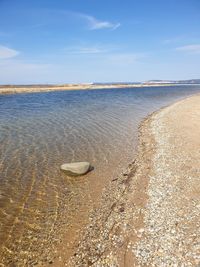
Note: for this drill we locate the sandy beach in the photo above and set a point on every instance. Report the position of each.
(149, 215)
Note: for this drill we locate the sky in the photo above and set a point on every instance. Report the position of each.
(82, 41)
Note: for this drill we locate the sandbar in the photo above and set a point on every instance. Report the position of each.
(12, 89)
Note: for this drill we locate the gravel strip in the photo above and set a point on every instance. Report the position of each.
(172, 215)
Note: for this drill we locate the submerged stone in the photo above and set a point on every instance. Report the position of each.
(76, 168)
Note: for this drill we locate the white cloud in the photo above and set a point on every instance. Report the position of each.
(107, 54)
(77, 50)
(61, 15)
(6, 52)
(95, 24)
(195, 48)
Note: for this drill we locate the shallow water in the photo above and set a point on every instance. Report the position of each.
(39, 132)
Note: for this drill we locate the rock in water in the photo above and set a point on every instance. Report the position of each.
(76, 168)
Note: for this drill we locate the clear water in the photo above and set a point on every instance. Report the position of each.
(39, 132)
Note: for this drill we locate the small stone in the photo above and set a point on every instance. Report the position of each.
(76, 168)
(121, 209)
(141, 230)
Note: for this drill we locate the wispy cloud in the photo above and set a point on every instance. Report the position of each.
(77, 50)
(194, 48)
(6, 52)
(174, 39)
(64, 16)
(96, 24)
(108, 54)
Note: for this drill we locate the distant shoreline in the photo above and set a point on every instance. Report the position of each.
(16, 89)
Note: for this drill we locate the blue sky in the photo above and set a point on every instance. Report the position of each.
(69, 41)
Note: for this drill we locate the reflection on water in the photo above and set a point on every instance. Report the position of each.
(39, 132)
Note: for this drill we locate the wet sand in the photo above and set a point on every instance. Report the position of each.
(149, 215)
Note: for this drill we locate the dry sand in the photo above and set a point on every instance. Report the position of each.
(150, 214)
